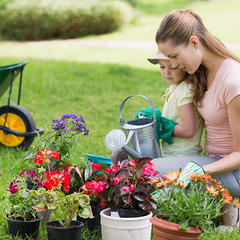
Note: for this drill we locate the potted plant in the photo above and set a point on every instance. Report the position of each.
(127, 191)
(59, 139)
(52, 151)
(186, 209)
(23, 220)
(65, 206)
(83, 179)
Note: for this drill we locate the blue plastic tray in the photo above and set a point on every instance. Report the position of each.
(98, 159)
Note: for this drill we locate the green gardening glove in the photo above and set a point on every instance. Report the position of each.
(164, 126)
(165, 133)
(191, 167)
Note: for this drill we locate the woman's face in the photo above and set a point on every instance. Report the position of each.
(186, 58)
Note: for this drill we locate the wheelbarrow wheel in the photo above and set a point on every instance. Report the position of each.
(18, 119)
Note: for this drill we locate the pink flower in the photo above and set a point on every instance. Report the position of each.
(131, 163)
(108, 170)
(125, 188)
(97, 186)
(131, 188)
(116, 180)
(93, 185)
(149, 169)
(22, 173)
(100, 186)
(13, 187)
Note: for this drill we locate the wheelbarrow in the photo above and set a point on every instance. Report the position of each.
(17, 127)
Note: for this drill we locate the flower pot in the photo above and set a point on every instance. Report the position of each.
(28, 229)
(31, 185)
(164, 230)
(117, 228)
(56, 232)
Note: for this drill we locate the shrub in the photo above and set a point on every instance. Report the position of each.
(44, 19)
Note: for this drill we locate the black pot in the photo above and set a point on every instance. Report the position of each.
(31, 185)
(93, 223)
(28, 229)
(56, 232)
(128, 213)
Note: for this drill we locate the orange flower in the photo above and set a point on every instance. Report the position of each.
(172, 175)
(193, 177)
(219, 188)
(155, 180)
(214, 181)
(212, 190)
(226, 196)
(182, 184)
(206, 177)
(236, 202)
(160, 184)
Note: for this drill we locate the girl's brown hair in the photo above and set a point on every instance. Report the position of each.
(178, 26)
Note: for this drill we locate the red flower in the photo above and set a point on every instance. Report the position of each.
(56, 178)
(44, 156)
(96, 167)
(115, 168)
(102, 204)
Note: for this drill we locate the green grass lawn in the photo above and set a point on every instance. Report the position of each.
(67, 77)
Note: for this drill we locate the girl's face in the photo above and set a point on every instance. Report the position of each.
(172, 75)
(188, 58)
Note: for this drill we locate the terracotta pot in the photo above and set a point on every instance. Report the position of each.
(164, 230)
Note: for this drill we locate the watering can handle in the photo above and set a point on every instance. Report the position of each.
(121, 107)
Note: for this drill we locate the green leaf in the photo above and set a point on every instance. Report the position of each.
(86, 212)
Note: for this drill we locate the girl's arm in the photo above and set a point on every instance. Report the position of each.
(188, 127)
(232, 161)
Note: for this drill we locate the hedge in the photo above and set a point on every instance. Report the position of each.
(25, 20)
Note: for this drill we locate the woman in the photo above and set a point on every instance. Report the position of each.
(183, 38)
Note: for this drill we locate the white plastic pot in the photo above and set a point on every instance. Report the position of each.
(116, 228)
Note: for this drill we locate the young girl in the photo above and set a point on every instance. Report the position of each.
(178, 107)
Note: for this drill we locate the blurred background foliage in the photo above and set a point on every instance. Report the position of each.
(59, 19)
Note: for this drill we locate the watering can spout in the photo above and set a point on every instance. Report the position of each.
(116, 140)
(132, 153)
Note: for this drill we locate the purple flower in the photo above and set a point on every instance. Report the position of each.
(70, 123)
(22, 173)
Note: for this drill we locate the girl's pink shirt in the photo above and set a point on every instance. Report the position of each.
(214, 110)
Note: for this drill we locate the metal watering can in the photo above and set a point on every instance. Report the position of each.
(142, 140)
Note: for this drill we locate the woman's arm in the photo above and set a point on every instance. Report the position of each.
(188, 127)
(232, 161)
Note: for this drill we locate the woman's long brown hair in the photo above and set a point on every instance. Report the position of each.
(178, 26)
